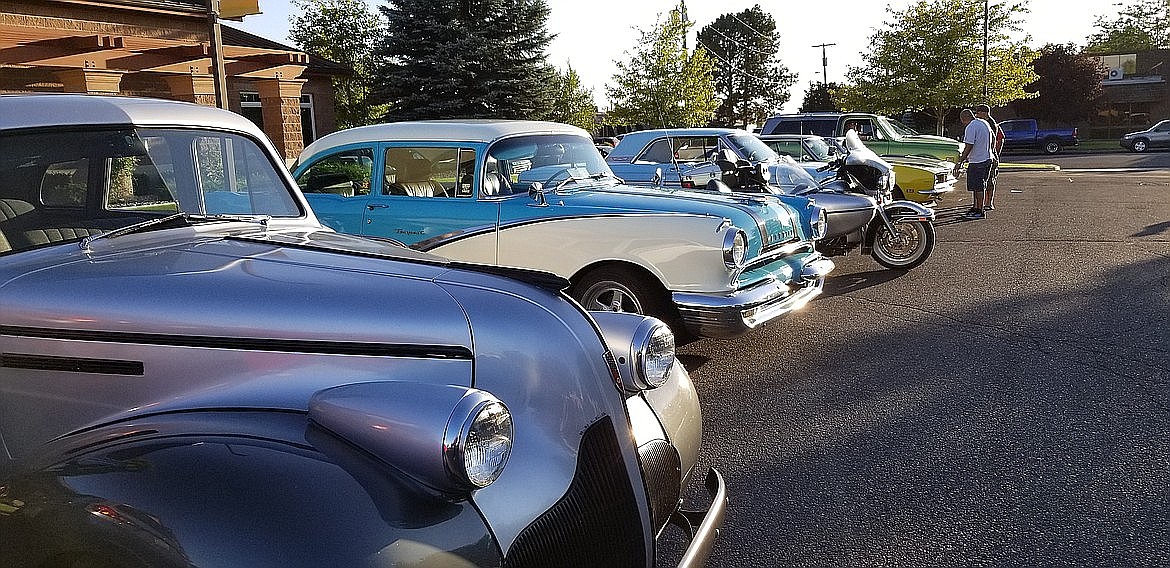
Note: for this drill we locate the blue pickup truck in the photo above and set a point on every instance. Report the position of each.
(1024, 133)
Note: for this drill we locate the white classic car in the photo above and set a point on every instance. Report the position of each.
(539, 195)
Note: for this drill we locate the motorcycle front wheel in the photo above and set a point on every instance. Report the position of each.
(908, 246)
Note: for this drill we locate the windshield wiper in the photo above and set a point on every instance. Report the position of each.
(596, 176)
(189, 219)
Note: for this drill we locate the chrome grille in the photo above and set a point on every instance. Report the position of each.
(596, 523)
(662, 469)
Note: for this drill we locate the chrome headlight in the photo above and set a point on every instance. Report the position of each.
(653, 352)
(734, 248)
(642, 349)
(452, 438)
(820, 224)
(478, 440)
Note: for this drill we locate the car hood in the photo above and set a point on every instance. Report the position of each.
(942, 140)
(775, 220)
(933, 165)
(289, 286)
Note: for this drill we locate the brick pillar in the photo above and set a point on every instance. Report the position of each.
(91, 81)
(280, 101)
(198, 89)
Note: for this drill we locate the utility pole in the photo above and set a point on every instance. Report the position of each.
(825, 62)
(217, 69)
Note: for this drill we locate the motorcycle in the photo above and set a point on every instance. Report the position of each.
(860, 209)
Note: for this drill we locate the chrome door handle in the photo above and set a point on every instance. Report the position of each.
(373, 206)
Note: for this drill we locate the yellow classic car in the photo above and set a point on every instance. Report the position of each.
(921, 179)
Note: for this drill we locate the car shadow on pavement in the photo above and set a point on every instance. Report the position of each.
(1025, 431)
(950, 215)
(837, 285)
(1154, 229)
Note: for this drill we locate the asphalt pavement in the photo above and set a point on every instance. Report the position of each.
(1005, 404)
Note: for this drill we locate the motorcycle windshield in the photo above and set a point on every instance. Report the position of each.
(860, 155)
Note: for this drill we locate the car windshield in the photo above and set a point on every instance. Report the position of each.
(560, 161)
(81, 183)
(752, 148)
(900, 129)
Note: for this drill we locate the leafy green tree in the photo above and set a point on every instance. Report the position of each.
(1142, 26)
(1068, 85)
(930, 57)
(572, 103)
(750, 80)
(464, 59)
(663, 83)
(819, 98)
(342, 31)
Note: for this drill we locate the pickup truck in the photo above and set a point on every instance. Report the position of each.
(883, 135)
(1025, 133)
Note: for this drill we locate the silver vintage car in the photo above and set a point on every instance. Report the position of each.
(195, 372)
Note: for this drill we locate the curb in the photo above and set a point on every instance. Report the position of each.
(1031, 167)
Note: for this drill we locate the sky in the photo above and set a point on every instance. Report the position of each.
(591, 34)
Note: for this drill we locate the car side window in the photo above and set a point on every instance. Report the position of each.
(695, 149)
(65, 183)
(785, 148)
(422, 171)
(787, 127)
(144, 182)
(346, 173)
(658, 152)
(819, 127)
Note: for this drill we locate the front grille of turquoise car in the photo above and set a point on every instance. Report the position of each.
(792, 246)
(776, 234)
(596, 523)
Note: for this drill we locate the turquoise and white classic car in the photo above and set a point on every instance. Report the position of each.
(539, 195)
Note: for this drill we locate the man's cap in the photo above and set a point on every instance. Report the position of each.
(983, 108)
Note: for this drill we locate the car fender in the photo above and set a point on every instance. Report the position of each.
(211, 489)
(684, 252)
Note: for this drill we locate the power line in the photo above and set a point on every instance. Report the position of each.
(750, 28)
(740, 44)
(729, 63)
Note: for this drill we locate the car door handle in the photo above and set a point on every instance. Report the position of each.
(373, 206)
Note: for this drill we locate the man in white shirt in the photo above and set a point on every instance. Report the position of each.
(977, 151)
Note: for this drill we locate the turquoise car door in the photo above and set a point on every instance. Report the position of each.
(426, 196)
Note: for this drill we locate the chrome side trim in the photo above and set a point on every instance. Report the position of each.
(246, 343)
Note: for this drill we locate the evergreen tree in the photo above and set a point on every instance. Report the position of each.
(750, 80)
(342, 31)
(464, 59)
(664, 83)
(819, 98)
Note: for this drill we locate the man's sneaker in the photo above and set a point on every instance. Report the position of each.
(989, 207)
(973, 214)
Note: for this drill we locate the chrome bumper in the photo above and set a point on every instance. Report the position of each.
(736, 313)
(703, 526)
